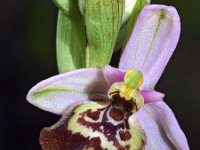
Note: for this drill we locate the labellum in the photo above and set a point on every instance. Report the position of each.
(101, 124)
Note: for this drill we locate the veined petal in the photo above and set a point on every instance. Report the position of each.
(152, 42)
(161, 127)
(151, 96)
(113, 75)
(59, 92)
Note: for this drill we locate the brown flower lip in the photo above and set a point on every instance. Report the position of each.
(110, 124)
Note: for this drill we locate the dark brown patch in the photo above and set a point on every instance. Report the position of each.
(93, 115)
(116, 114)
(125, 135)
(122, 104)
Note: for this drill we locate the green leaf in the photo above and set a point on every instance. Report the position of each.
(71, 39)
(102, 20)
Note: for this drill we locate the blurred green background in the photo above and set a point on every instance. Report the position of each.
(27, 46)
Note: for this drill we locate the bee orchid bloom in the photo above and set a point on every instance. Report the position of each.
(114, 108)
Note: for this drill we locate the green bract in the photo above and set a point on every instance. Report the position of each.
(102, 21)
(71, 38)
(88, 40)
(127, 10)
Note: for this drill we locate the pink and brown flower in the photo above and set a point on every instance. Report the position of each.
(101, 110)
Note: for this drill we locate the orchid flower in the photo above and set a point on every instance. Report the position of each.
(114, 108)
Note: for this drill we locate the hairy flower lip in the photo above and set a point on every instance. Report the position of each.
(59, 136)
(157, 119)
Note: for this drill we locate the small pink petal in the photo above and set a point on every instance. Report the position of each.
(152, 42)
(113, 75)
(161, 127)
(61, 91)
(151, 96)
